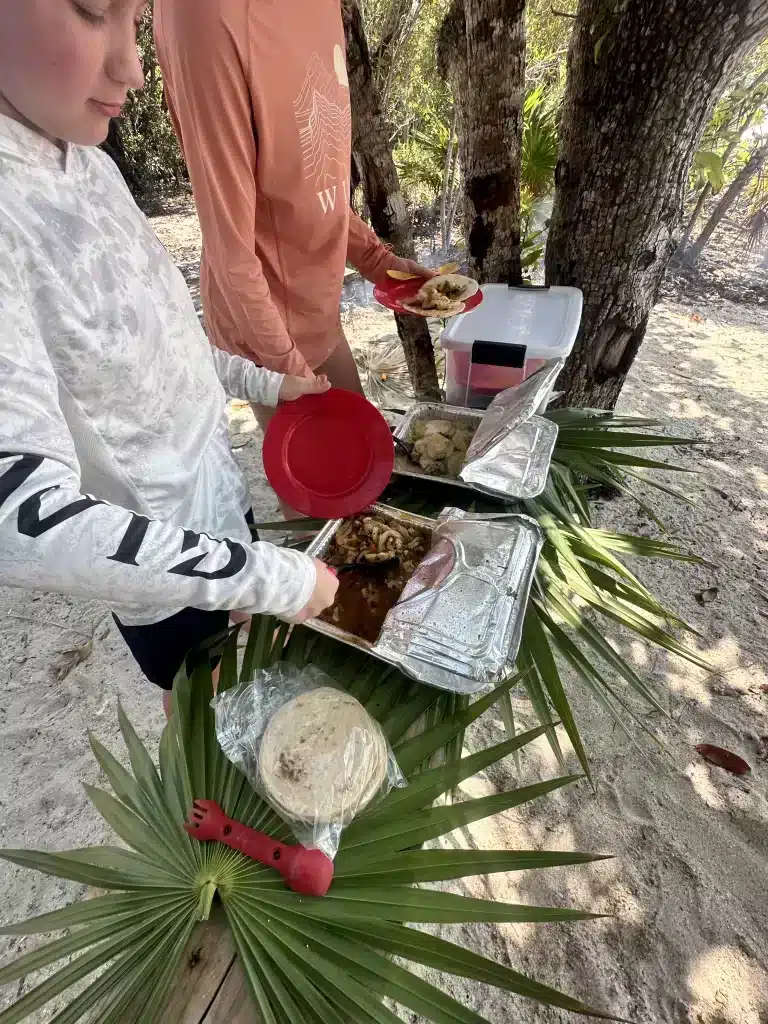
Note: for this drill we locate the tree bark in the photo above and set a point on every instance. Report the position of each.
(682, 245)
(643, 77)
(446, 194)
(386, 204)
(402, 21)
(452, 204)
(495, 95)
(728, 198)
(481, 52)
(452, 61)
(114, 147)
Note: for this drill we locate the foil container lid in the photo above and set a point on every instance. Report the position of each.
(518, 465)
(513, 407)
(458, 622)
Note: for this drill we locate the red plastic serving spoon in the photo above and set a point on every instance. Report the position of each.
(308, 872)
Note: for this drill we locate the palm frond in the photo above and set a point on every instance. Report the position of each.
(755, 229)
(581, 577)
(540, 144)
(385, 373)
(325, 960)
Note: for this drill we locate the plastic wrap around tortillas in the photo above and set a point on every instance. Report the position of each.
(309, 748)
(322, 757)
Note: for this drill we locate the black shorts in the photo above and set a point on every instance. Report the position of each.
(161, 647)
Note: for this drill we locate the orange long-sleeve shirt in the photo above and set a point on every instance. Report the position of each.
(259, 96)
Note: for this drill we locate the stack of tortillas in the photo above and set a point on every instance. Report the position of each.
(322, 757)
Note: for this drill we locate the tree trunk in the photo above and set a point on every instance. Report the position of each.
(643, 77)
(113, 146)
(453, 65)
(389, 57)
(728, 198)
(481, 52)
(446, 194)
(389, 215)
(495, 94)
(452, 204)
(682, 245)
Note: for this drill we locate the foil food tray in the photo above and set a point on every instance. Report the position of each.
(458, 622)
(418, 413)
(515, 467)
(514, 407)
(320, 545)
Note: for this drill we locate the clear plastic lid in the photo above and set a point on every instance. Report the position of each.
(545, 320)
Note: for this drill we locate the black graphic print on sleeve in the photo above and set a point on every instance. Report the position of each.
(51, 537)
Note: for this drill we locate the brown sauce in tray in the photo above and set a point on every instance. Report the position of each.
(364, 598)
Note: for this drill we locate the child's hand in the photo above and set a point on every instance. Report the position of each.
(294, 387)
(323, 595)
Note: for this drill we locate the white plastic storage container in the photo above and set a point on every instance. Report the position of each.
(506, 338)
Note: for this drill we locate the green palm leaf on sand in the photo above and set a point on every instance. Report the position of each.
(319, 961)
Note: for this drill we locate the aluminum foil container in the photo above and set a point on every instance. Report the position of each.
(513, 407)
(419, 413)
(320, 545)
(458, 622)
(510, 463)
(518, 465)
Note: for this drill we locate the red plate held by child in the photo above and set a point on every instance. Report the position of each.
(329, 456)
(392, 293)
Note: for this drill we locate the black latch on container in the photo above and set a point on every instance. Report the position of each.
(497, 353)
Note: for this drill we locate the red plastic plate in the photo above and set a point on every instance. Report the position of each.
(393, 293)
(329, 456)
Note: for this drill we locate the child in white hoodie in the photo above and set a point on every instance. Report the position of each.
(117, 480)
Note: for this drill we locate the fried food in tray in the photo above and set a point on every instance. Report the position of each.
(364, 598)
(440, 446)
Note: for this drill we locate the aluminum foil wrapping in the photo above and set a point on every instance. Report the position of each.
(510, 454)
(421, 413)
(513, 407)
(457, 624)
(518, 465)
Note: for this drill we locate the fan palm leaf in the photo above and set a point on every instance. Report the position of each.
(307, 960)
(540, 144)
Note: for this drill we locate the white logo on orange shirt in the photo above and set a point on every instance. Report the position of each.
(324, 122)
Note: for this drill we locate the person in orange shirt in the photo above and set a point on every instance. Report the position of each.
(259, 95)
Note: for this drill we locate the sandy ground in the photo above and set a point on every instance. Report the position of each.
(687, 938)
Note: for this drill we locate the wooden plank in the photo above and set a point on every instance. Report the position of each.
(233, 1003)
(207, 959)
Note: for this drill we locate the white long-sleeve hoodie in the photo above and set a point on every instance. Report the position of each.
(117, 479)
